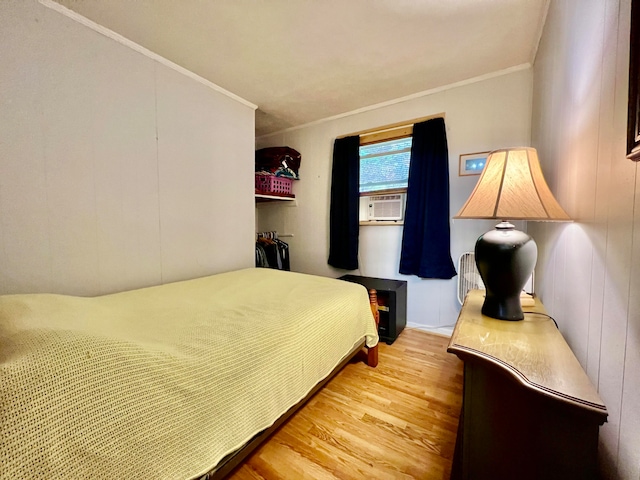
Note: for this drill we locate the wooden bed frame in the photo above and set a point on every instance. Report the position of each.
(233, 460)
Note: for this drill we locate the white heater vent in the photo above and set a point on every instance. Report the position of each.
(386, 207)
(468, 276)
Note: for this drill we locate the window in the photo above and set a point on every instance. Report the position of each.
(384, 174)
(384, 166)
(385, 154)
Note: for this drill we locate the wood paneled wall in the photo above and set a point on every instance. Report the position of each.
(116, 171)
(588, 272)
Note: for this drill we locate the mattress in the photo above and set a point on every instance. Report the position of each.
(163, 382)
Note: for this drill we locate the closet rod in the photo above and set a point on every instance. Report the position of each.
(279, 235)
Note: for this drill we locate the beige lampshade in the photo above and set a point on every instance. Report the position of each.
(512, 187)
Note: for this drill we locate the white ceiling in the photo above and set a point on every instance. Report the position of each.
(304, 60)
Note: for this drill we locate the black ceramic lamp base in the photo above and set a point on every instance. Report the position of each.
(505, 258)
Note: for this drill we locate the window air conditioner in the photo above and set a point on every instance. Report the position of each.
(386, 207)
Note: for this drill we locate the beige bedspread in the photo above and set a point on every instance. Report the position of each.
(162, 382)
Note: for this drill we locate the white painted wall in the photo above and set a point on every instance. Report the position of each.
(588, 272)
(484, 115)
(116, 171)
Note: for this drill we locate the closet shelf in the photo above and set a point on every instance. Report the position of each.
(263, 198)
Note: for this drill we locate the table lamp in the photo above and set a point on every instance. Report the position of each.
(511, 187)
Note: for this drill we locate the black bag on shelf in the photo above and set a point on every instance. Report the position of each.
(279, 161)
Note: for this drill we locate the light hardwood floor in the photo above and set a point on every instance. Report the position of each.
(395, 421)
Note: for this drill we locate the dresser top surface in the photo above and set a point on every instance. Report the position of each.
(532, 350)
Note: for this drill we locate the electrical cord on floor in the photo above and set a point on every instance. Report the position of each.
(545, 315)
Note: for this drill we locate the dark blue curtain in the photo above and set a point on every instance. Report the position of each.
(426, 236)
(344, 227)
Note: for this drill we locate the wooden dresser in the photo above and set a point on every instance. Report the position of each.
(529, 410)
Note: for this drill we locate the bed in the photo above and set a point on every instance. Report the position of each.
(175, 381)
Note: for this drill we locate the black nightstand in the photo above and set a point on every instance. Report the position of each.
(392, 304)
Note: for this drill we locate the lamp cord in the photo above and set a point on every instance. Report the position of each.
(545, 315)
